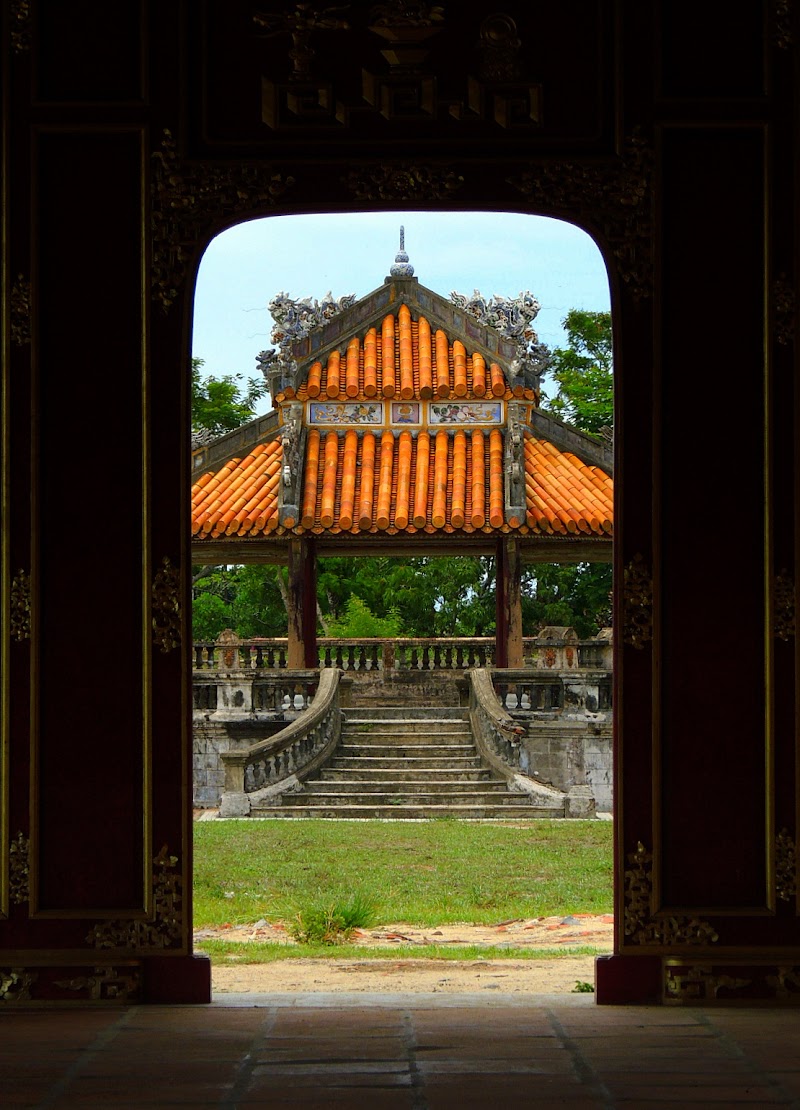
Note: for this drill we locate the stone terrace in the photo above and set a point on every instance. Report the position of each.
(399, 1052)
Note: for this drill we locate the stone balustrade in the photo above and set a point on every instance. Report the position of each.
(243, 692)
(564, 693)
(263, 772)
(500, 739)
(554, 649)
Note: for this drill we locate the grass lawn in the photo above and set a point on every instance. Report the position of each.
(428, 873)
(226, 952)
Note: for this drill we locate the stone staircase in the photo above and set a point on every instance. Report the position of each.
(399, 762)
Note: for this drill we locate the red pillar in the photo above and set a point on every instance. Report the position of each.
(508, 595)
(302, 648)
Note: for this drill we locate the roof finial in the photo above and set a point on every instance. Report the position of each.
(401, 266)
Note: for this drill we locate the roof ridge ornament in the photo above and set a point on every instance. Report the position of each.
(294, 318)
(401, 267)
(511, 317)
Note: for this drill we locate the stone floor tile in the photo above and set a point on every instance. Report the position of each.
(23, 1092)
(434, 1068)
(788, 1081)
(323, 1050)
(502, 1048)
(678, 1065)
(276, 1096)
(757, 1093)
(469, 1092)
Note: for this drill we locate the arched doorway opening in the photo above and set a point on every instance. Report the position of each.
(496, 246)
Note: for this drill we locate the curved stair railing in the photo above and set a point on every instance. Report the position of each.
(498, 739)
(261, 774)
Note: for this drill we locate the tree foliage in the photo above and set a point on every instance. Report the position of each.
(583, 372)
(359, 623)
(222, 404)
(574, 594)
(245, 598)
(431, 597)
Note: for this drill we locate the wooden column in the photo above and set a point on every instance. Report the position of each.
(508, 651)
(302, 650)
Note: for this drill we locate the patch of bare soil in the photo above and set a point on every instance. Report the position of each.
(417, 975)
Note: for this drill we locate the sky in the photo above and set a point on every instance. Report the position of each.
(309, 256)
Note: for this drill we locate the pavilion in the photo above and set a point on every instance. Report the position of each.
(404, 423)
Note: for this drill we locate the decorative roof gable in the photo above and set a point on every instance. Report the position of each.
(404, 412)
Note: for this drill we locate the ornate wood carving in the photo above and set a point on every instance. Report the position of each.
(165, 927)
(21, 26)
(16, 983)
(785, 866)
(695, 984)
(640, 925)
(784, 305)
(702, 982)
(402, 182)
(21, 606)
(19, 870)
(301, 25)
(187, 198)
(105, 984)
(20, 311)
(783, 606)
(615, 196)
(404, 90)
(166, 607)
(784, 23)
(637, 604)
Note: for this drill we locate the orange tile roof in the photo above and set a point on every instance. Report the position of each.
(241, 499)
(404, 358)
(564, 494)
(430, 482)
(376, 480)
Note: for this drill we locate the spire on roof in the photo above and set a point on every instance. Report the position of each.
(401, 267)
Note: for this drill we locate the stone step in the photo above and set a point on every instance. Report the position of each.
(406, 728)
(406, 786)
(403, 751)
(457, 795)
(422, 738)
(405, 713)
(388, 762)
(401, 774)
(410, 812)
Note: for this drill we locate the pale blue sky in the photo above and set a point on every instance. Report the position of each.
(498, 253)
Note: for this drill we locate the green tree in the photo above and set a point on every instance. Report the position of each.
(247, 599)
(432, 597)
(575, 594)
(210, 614)
(359, 622)
(222, 404)
(583, 372)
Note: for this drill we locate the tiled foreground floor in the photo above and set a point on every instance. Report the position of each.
(398, 1052)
